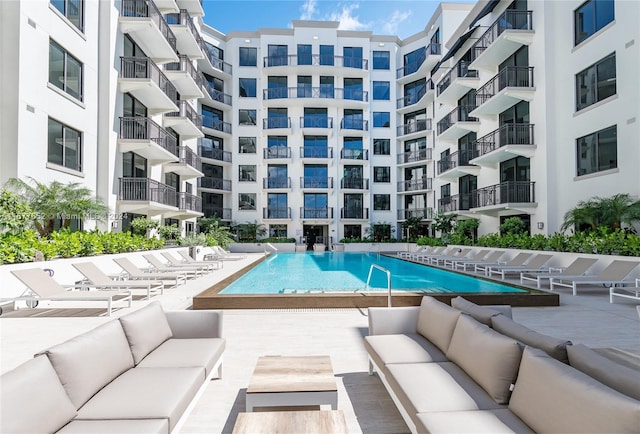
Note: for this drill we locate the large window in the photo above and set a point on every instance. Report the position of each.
(413, 60)
(352, 57)
(277, 55)
(381, 119)
(596, 83)
(247, 145)
(278, 231)
(248, 56)
(65, 146)
(326, 86)
(72, 9)
(381, 174)
(248, 87)
(381, 60)
(133, 165)
(591, 17)
(326, 55)
(276, 87)
(597, 151)
(247, 173)
(247, 201)
(381, 90)
(381, 147)
(381, 202)
(65, 71)
(304, 54)
(246, 117)
(353, 89)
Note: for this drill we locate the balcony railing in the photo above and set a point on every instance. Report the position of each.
(414, 97)
(510, 76)
(143, 67)
(148, 9)
(508, 134)
(316, 152)
(423, 213)
(184, 19)
(414, 127)
(354, 183)
(354, 154)
(354, 124)
(412, 67)
(141, 128)
(352, 95)
(189, 202)
(187, 111)
(415, 184)
(218, 64)
(509, 20)
(460, 70)
(146, 190)
(187, 156)
(279, 122)
(221, 213)
(505, 192)
(277, 152)
(276, 182)
(276, 213)
(316, 122)
(458, 114)
(206, 150)
(185, 65)
(215, 94)
(315, 60)
(214, 183)
(354, 213)
(316, 182)
(415, 156)
(216, 124)
(448, 204)
(458, 158)
(316, 213)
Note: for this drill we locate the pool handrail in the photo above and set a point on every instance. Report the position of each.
(388, 273)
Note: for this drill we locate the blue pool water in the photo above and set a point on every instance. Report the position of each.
(329, 272)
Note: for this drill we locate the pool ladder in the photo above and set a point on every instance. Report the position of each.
(388, 273)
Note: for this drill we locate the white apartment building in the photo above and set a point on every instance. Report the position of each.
(495, 109)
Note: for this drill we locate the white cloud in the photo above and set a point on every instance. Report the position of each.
(308, 10)
(348, 20)
(391, 26)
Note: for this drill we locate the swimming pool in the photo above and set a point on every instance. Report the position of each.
(347, 272)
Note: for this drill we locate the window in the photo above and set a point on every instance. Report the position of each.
(247, 117)
(304, 54)
(597, 151)
(382, 202)
(304, 86)
(133, 165)
(326, 55)
(381, 90)
(381, 60)
(248, 56)
(248, 87)
(277, 118)
(413, 60)
(326, 87)
(172, 180)
(445, 192)
(434, 44)
(277, 55)
(276, 87)
(72, 9)
(278, 231)
(65, 146)
(381, 174)
(247, 173)
(247, 201)
(353, 89)
(591, 17)
(381, 147)
(381, 119)
(596, 83)
(352, 231)
(247, 145)
(65, 71)
(352, 57)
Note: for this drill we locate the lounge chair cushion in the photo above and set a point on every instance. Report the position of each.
(146, 330)
(130, 426)
(145, 393)
(436, 322)
(621, 378)
(33, 400)
(479, 313)
(478, 421)
(490, 358)
(405, 348)
(556, 348)
(550, 396)
(82, 369)
(186, 353)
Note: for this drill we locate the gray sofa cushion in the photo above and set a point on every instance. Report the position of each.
(88, 362)
(185, 353)
(490, 358)
(145, 393)
(436, 322)
(621, 378)
(33, 400)
(556, 348)
(478, 421)
(146, 329)
(550, 396)
(410, 348)
(130, 426)
(479, 313)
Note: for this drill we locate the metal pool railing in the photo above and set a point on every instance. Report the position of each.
(388, 273)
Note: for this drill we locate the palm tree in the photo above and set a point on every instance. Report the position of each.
(610, 212)
(58, 201)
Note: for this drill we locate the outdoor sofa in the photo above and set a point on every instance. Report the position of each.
(141, 373)
(473, 369)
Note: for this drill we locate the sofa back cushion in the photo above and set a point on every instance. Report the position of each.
(479, 313)
(33, 400)
(436, 322)
(550, 396)
(146, 330)
(491, 359)
(90, 361)
(618, 377)
(556, 348)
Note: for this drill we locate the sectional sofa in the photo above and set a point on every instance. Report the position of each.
(470, 368)
(140, 373)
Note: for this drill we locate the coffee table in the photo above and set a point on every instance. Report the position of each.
(291, 422)
(279, 381)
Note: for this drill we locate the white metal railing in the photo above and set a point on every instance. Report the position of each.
(388, 273)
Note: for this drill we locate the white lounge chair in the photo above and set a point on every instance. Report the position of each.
(41, 286)
(632, 293)
(135, 273)
(577, 268)
(474, 257)
(519, 259)
(98, 279)
(534, 264)
(421, 249)
(460, 253)
(175, 262)
(437, 252)
(159, 266)
(189, 260)
(613, 274)
(491, 258)
(222, 254)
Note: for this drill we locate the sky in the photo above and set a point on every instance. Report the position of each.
(383, 17)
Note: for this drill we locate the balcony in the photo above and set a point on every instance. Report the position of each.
(313, 124)
(408, 102)
(449, 204)
(145, 196)
(422, 66)
(189, 206)
(413, 185)
(413, 128)
(188, 40)
(457, 124)
(354, 154)
(351, 213)
(221, 213)
(507, 198)
(419, 155)
(351, 183)
(142, 20)
(216, 125)
(213, 65)
(277, 153)
(269, 213)
(422, 213)
(206, 150)
(277, 123)
(216, 98)
(142, 78)
(316, 213)
(315, 60)
(316, 182)
(457, 165)
(147, 139)
(186, 79)
(277, 182)
(353, 125)
(188, 166)
(186, 122)
(510, 86)
(457, 82)
(508, 141)
(194, 7)
(507, 34)
(217, 184)
(317, 152)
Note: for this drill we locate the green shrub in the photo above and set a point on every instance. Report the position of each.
(429, 241)
(142, 225)
(171, 232)
(277, 240)
(513, 225)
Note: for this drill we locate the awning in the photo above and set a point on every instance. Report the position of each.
(486, 10)
(455, 47)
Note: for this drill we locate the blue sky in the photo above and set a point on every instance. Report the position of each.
(396, 17)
